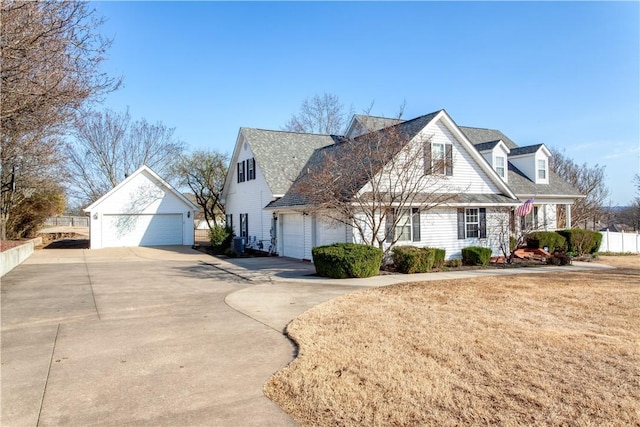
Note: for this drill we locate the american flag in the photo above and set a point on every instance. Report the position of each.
(525, 208)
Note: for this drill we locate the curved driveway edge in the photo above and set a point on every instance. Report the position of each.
(291, 288)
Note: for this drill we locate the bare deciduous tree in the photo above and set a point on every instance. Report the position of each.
(320, 114)
(588, 180)
(51, 56)
(109, 146)
(374, 182)
(204, 173)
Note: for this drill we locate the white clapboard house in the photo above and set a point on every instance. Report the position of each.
(496, 174)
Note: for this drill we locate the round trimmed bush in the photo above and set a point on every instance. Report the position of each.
(342, 260)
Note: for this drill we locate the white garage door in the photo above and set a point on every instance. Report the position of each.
(141, 230)
(292, 236)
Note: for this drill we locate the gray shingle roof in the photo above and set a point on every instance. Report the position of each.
(480, 135)
(373, 123)
(529, 149)
(408, 130)
(521, 185)
(518, 181)
(486, 145)
(281, 155)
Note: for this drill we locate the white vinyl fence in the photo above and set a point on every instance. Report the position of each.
(620, 242)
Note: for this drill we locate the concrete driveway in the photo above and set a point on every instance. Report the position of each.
(151, 336)
(133, 336)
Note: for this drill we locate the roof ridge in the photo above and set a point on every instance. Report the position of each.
(286, 131)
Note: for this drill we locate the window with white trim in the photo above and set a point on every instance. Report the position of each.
(472, 223)
(542, 169)
(438, 159)
(500, 169)
(407, 227)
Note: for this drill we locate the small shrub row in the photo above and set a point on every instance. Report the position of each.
(476, 255)
(342, 260)
(411, 259)
(549, 239)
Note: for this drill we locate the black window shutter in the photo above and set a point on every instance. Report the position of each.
(449, 160)
(427, 159)
(244, 174)
(253, 162)
(416, 224)
(238, 172)
(246, 226)
(483, 223)
(461, 232)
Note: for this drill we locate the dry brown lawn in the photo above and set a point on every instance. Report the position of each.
(560, 348)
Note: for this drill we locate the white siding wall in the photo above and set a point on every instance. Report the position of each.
(467, 176)
(439, 229)
(250, 197)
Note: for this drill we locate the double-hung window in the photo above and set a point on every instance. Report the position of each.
(500, 169)
(241, 170)
(438, 159)
(251, 168)
(407, 228)
(247, 170)
(472, 223)
(542, 169)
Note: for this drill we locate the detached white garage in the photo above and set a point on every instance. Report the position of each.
(143, 210)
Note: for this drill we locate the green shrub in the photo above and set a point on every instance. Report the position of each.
(342, 260)
(549, 239)
(476, 255)
(581, 241)
(438, 259)
(220, 238)
(411, 259)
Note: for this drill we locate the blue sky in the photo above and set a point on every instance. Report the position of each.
(565, 74)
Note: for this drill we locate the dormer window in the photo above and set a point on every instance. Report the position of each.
(542, 169)
(500, 168)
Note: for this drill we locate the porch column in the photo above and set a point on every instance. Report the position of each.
(568, 215)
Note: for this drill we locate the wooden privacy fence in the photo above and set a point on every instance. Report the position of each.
(620, 242)
(68, 221)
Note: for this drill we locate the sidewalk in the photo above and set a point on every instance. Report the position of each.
(282, 269)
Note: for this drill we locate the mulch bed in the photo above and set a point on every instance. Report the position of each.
(5, 245)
